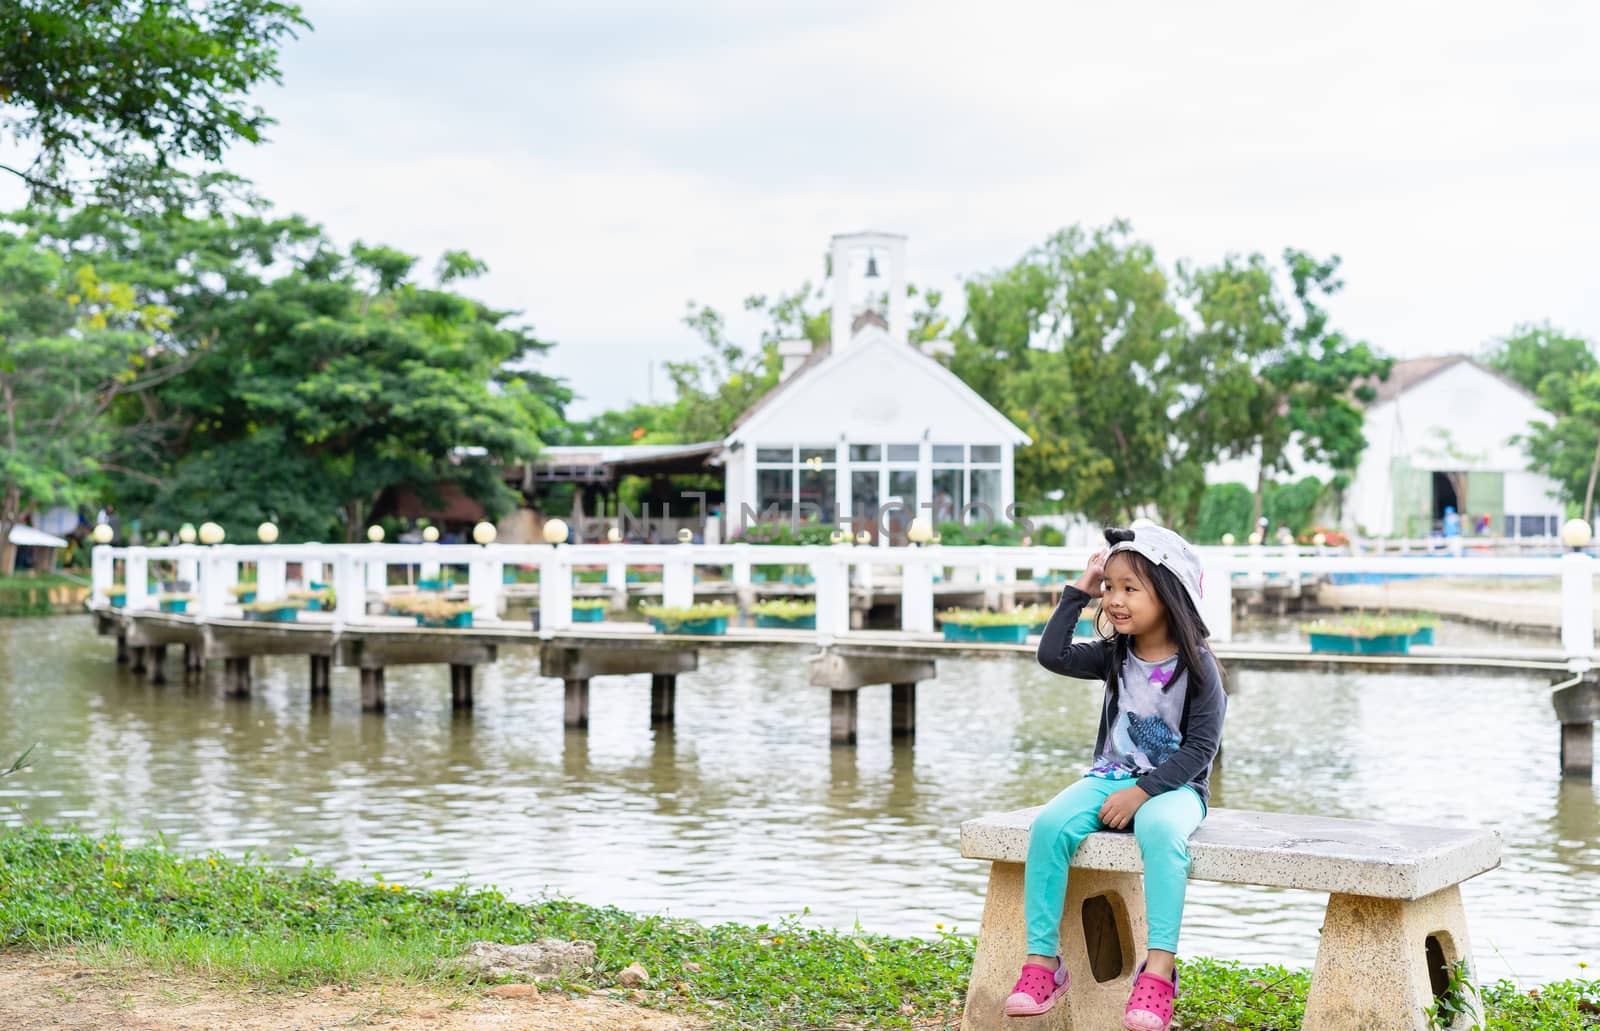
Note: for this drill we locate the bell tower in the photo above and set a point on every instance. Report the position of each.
(867, 268)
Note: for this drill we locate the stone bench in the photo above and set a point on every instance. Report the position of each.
(1393, 929)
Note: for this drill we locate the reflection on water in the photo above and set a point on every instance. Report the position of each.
(743, 811)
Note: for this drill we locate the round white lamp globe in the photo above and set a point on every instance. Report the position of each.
(685, 536)
(836, 537)
(1576, 533)
(864, 537)
(430, 534)
(1229, 540)
(211, 533)
(920, 531)
(375, 533)
(1319, 539)
(103, 534)
(268, 533)
(485, 533)
(186, 533)
(1256, 537)
(555, 531)
(614, 535)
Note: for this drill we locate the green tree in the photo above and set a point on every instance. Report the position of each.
(1275, 374)
(1077, 343)
(116, 95)
(320, 378)
(1531, 352)
(70, 347)
(1567, 448)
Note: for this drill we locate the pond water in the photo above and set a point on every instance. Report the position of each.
(743, 811)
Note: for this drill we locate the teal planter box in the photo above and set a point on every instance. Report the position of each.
(787, 623)
(1343, 644)
(1008, 633)
(180, 605)
(1424, 635)
(283, 615)
(758, 576)
(715, 626)
(117, 600)
(588, 615)
(799, 578)
(246, 598)
(314, 605)
(315, 586)
(459, 621)
(428, 585)
(1085, 627)
(1050, 578)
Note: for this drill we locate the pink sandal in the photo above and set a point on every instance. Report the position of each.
(1150, 1005)
(1037, 989)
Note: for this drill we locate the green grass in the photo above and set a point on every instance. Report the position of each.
(28, 594)
(280, 927)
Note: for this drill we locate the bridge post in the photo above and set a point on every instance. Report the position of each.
(321, 675)
(903, 709)
(103, 565)
(1577, 610)
(349, 588)
(663, 697)
(576, 708)
(1216, 598)
(677, 579)
(832, 572)
(136, 664)
(372, 693)
(460, 686)
(842, 717)
(616, 580)
(555, 590)
(271, 578)
(193, 659)
(483, 586)
(236, 677)
(1577, 708)
(916, 593)
(158, 664)
(122, 649)
(136, 574)
(377, 572)
(744, 594)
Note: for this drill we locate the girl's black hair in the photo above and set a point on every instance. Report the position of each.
(1184, 625)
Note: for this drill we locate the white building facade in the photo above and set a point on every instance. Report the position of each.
(869, 431)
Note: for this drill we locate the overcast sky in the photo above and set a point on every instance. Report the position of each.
(612, 161)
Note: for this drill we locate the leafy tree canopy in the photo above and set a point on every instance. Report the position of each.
(115, 95)
(319, 376)
(1531, 352)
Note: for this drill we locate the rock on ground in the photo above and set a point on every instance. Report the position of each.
(543, 960)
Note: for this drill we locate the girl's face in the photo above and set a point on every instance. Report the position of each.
(1129, 601)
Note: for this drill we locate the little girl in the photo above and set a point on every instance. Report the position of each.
(1160, 727)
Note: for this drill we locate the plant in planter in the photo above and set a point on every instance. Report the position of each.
(174, 602)
(706, 619)
(1361, 635)
(441, 613)
(589, 610)
(992, 627)
(314, 601)
(117, 595)
(272, 610)
(243, 592)
(787, 614)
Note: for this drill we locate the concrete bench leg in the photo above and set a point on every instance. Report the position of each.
(1381, 961)
(1103, 935)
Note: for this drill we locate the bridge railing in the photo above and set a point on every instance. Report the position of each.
(358, 571)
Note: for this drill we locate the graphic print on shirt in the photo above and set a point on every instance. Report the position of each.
(1143, 734)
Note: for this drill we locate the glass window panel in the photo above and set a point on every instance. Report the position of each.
(902, 494)
(986, 492)
(827, 454)
(775, 454)
(952, 453)
(774, 487)
(986, 453)
(948, 495)
(904, 452)
(817, 488)
(865, 452)
(864, 496)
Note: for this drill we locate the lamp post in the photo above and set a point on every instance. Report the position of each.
(1576, 534)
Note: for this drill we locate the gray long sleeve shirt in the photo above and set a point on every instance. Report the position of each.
(1204, 706)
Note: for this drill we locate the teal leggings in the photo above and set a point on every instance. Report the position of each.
(1162, 826)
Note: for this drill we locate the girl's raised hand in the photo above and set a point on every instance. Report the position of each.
(1093, 580)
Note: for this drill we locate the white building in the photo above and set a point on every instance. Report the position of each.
(869, 430)
(1440, 435)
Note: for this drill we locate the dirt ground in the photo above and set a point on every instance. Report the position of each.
(40, 992)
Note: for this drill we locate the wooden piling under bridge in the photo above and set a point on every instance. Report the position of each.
(843, 664)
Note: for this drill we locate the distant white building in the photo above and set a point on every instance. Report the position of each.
(1439, 435)
(869, 424)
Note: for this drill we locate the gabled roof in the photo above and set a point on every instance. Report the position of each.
(1413, 372)
(822, 362)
